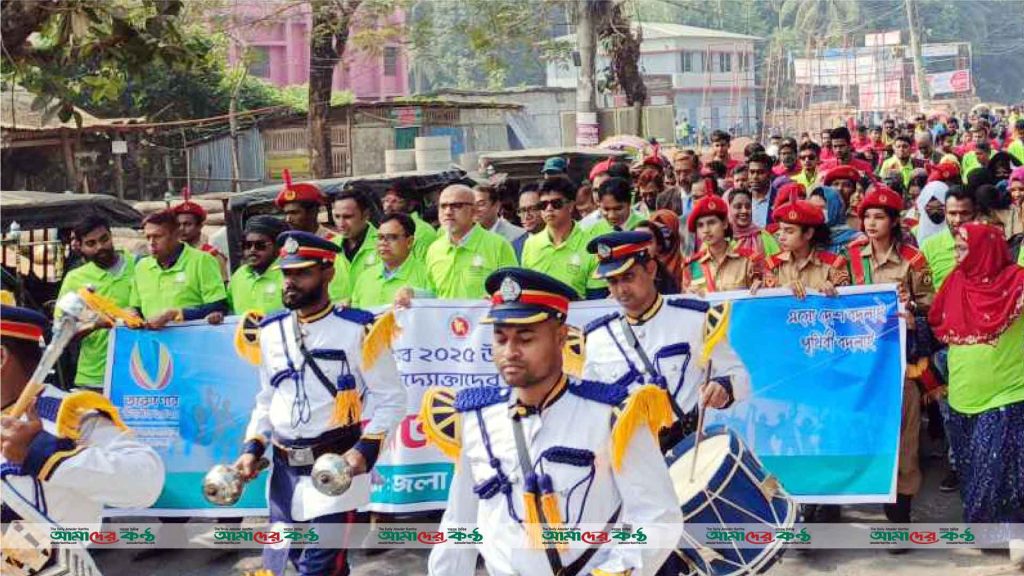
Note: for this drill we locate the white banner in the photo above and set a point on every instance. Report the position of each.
(953, 82)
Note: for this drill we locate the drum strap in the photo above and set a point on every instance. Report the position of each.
(554, 560)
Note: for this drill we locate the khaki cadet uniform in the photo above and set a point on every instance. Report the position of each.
(906, 266)
(737, 271)
(821, 266)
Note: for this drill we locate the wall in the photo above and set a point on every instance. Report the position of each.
(538, 124)
(280, 41)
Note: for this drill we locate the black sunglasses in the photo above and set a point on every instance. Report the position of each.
(556, 204)
(255, 245)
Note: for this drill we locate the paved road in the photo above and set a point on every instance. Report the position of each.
(930, 506)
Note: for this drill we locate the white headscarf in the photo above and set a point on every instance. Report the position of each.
(925, 226)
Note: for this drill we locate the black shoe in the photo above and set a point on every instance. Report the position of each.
(899, 512)
(830, 513)
(951, 483)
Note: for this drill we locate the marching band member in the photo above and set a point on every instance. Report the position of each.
(544, 451)
(654, 339)
(67, 456)
(313, 395)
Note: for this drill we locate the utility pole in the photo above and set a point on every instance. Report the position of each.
(587, 130)
(915, 49)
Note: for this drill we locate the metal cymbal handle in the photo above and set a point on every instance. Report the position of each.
(700, 423)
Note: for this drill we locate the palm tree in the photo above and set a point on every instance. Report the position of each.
(819, 18)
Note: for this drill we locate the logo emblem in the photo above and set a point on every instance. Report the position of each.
(289, 195)
(165, 366)
(291, 246)
(604, 251)
(792, 214)
(459, 326)
(510, 290)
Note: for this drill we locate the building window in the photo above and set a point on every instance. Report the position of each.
(725, 62)
(744, 61)
(390, 61)
(259, 61)
(687, 57)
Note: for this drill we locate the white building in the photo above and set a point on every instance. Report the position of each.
(707, 74)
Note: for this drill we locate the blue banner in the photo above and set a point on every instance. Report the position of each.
(185, 392)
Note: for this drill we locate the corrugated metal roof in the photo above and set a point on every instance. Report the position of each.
(16, 113)
(666, 30)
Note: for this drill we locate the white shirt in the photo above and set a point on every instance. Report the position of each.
(106, 466)
(672, 337)
(339, 333)
(642, 487)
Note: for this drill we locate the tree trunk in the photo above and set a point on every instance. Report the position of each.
(327, 40)
(586, 97)
(18, 20)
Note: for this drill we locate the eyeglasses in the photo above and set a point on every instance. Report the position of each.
(390, 238)
(454, 205)
(255, 245)
(556, 204)
(528, 210)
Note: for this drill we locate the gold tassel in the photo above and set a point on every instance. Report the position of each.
(247, 337)
(532, 521)
(650, 405)
(549, 505)
(383, 332)
(574, 353)
(109, 308)
(348, 408)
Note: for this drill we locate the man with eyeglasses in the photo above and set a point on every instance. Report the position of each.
(560, 250)
(529, 216)
(256, 285)
(397, 268)
(487, 212)
(460, 260)
(809, 152)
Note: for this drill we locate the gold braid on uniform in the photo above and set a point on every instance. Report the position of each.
(649, 405)
(74, 407)
(379, 337)
(441, 423)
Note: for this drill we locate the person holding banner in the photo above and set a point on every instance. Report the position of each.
(883, 257)
(803, 262)
(256, 285)
(67, 469)
(718, 265)
(653, 338)
(311, 398)
(543, 454)
(176, 282)
(459, 261)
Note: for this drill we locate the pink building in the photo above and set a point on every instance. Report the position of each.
(278, 41)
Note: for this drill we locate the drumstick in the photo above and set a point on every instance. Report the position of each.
(700, 423)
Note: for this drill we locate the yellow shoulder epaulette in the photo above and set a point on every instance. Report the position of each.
(716, 327)
(74, 407)
(247, 337)
(442, 425)
(379, 337)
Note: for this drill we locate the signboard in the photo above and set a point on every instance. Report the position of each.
(297, 164)
(891, 38)
(954, 82)
(939, 50)
(407, 116)
(587, 129)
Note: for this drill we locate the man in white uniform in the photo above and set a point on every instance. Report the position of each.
(543, 452)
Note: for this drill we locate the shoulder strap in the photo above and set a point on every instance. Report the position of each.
(523, 454)
(858, 267)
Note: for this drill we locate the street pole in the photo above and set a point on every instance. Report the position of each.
(915, 49)
(586, 97)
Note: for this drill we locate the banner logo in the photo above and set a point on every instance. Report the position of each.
(459, 326)
(165, 366)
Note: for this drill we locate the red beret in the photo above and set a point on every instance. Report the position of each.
(841, 173)
(800, 212)
(301, 192)
(944, 171)
(600, 168)
(709, 205)
(190, 207)
(790, 192)
(880, 197)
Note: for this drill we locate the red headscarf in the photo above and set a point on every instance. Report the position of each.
(983, 295)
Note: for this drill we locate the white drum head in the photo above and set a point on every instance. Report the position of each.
(713, 451)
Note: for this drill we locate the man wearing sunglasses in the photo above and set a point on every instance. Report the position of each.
(256, 285)
(808, 155)
(560, 250)
(397, 268)
(529, 217)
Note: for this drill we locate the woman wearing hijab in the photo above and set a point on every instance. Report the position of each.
(931, 209)
(666, 247)
(841, 234)
(978, 313)
(1014, 217)
(745, 234)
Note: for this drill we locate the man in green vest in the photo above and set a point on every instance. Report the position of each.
(401, 198)
(176, 282)
(256, 285)
(397, 266)
(358, 240)
(109, 272)
(460, 260)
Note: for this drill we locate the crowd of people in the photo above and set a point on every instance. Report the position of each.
(932, 205)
